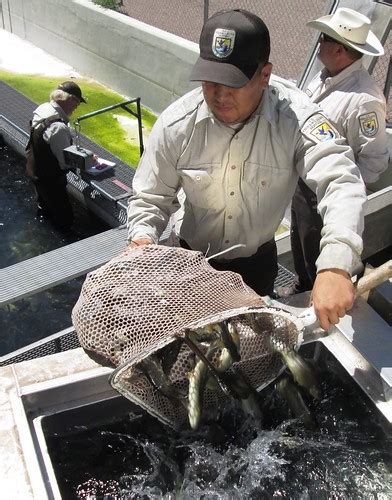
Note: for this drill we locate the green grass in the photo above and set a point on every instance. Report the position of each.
(103, 129)
(283, 228)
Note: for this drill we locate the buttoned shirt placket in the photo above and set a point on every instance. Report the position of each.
(233, 177)
(234, 173)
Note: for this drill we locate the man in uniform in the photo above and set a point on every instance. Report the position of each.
(49, 135)
(236, 147)
(356, 106)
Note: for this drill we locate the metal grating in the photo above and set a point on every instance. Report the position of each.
(60, 342)
(18, 135)
(380, 72)
(115, 187)
(123, 204)
(42, 272)
(100, 200)
(285, 277)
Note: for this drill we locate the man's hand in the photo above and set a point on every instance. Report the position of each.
(139, 242)
(332, 296)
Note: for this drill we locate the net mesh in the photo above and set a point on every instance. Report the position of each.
(145, 299)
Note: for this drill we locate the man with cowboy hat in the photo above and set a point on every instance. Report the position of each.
(49, 135)
(235, 147)
(356, 106)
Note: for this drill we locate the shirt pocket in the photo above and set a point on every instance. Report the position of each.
(201, 186)
(266, 185)
(257, 177)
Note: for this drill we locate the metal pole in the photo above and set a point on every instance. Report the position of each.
(206, 9)
(9, 15)
(388, 80)
(109, 108)
(2, 14)
(24, 20)
(122, 105)
(139, 121)
(312, 53)
(374, 60)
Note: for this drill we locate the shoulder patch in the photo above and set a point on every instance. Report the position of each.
(369, 124)
(318, 129)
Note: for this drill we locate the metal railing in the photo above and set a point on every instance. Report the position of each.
(122, 105)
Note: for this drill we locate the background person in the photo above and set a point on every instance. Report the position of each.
(49, 135)
(236, 147)
(356, 105)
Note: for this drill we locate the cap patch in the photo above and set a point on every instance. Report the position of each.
(223, 42)
(369, 124)
(319, 129)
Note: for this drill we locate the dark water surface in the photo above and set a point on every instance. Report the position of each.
(347, 456)
(24, 235)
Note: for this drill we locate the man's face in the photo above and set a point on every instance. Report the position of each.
(74, 104)
(234, 105)
(70, 105)
(328, 51)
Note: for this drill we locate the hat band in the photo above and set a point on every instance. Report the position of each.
(354, 36)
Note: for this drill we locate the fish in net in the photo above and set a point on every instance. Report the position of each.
(132, 309)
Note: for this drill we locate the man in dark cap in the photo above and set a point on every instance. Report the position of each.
(235, 148)
(49, 135)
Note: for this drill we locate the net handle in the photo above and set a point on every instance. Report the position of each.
(366, 283)
(374, 278)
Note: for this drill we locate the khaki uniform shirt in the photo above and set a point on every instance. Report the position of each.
(58, 135)
(356, 105)
(237, 183)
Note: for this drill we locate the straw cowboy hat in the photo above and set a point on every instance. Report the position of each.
(350, 28)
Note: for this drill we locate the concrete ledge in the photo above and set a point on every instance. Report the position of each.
(129, 56)
(20, 473)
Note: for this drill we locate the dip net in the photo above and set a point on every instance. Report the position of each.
(145, 299)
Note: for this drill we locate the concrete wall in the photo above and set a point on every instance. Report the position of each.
(129, 56)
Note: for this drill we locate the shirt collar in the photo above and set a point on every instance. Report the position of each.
(204, 113)
(355, 66)
(268, 105)
(60, 111)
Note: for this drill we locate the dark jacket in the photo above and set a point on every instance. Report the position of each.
(42, 163)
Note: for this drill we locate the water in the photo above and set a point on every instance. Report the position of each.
(24, 235)
(348, 455)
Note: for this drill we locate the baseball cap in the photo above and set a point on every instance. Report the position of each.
(73, 89)
(232, 45)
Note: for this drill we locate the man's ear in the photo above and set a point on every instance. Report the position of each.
(265, 74)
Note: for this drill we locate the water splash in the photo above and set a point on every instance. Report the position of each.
(348, 456)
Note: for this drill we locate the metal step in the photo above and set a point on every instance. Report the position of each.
(58, 266)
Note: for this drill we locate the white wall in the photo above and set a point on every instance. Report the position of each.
(131, 57)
